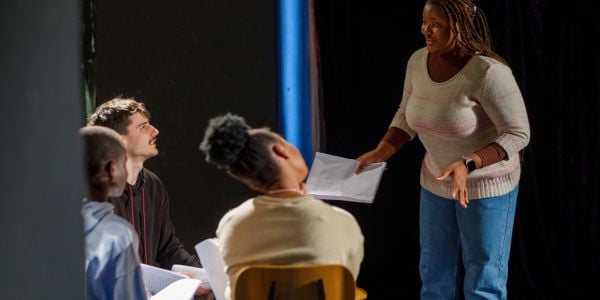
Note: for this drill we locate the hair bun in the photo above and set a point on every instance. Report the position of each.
(224, 139)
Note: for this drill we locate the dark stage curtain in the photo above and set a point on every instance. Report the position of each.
(364, 47)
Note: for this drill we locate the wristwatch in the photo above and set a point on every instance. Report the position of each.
(469, 163)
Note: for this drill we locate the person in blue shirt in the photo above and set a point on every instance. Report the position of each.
(111, 245)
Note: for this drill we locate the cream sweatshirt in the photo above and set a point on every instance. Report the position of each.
(299, 230)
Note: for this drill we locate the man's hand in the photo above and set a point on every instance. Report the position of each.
(202, 291)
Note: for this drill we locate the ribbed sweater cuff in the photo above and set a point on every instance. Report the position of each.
(478, 188)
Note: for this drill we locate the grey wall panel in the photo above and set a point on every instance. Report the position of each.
(41, 173)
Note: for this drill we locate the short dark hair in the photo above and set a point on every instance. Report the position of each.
(101, 145)
(227, 144)
(115, 113)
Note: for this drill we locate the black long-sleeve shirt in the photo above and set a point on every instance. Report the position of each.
(149, 215)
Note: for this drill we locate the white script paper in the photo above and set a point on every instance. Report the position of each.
(164, 284)
(194, 272)
(182, 289)
(214, 265)
(332, 178)
(156, 279)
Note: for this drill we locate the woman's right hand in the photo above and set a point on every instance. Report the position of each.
(383, 151)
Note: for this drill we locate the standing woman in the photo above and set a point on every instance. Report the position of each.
(463, 102)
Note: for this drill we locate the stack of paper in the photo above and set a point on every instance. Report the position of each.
(164, 284)
(182, 289)
(193, 272)
(332, 178)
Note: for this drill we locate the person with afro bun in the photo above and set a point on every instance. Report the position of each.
(283, 224)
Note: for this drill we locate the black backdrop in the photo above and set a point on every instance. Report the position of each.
(194, 59)
(189, 61)
(555, 250)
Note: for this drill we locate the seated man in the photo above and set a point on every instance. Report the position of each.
(283, 225)
(145, 201)
(111, 261)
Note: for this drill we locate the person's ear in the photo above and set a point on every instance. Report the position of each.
(124, 140)
(110, 168)
(280, 151)
(104, 175)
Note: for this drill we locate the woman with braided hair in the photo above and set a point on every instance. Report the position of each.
(463, 102)
(282, 225)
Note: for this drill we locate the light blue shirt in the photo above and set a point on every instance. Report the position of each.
(111, 261)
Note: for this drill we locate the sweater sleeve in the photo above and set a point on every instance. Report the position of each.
(399, 120)
(502, 101)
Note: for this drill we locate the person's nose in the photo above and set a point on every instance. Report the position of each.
(425, 29)
(154, 131)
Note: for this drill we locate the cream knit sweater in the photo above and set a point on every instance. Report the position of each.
(300, 230)
(481, 104)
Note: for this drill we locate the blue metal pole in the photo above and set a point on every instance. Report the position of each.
(295, 106)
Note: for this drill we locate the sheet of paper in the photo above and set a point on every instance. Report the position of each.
(332, 178)
(214, 265)
(182, 289)
(156, 279)
(196, 273)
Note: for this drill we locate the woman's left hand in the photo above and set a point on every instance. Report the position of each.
(459, 173)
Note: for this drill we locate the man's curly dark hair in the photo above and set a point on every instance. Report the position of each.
(115, 113)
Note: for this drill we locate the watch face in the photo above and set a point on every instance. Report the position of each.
(471, 165)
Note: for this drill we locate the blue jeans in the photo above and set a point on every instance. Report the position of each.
(464, 252)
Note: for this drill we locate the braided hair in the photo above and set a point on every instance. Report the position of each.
(228, 145)
(469, 24)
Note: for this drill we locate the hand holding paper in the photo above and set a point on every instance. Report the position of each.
(333, 178)
(193, 272)
(165, 284)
